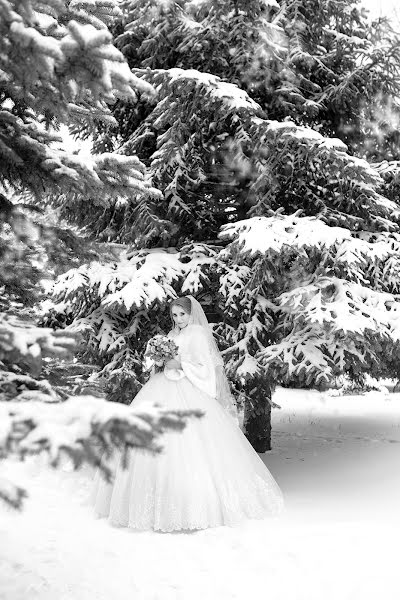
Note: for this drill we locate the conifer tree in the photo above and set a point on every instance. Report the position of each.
(58, 65)
(255, 176)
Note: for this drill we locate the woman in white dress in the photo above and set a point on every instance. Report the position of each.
(208, 474)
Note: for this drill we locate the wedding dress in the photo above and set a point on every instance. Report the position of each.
(207, 475)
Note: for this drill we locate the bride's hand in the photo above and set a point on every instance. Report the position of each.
(173, 363)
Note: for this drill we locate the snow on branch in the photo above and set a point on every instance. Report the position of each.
(289, 160)
(332, 292)
(58, 45)
(11, 494)
(301, 354)
(330, 322)
(259, 235)
(17, 335)
(345, 305)
(270, 236)
(85, 428)
(22, 344)
(135, 283)
(283, 160)
(108, 175)
(215, 88)
(63, 64)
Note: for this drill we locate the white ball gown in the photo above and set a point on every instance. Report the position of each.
(206, 476)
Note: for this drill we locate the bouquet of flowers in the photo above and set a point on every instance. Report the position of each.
(160, 349)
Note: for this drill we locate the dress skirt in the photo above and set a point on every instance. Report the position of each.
(206, 475)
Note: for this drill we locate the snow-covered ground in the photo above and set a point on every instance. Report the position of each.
(337, 461)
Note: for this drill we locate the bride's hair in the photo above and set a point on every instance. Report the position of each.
(184, 302)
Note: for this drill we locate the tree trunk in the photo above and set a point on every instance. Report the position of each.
(257, 414)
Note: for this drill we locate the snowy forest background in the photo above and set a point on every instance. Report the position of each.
(246, 152)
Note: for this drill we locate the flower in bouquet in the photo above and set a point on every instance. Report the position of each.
(161, 349)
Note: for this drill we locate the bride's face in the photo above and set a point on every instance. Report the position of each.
(181, 317)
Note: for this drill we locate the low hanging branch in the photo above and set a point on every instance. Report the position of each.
(86, 429)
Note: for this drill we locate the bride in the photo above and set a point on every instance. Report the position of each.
(208, 474)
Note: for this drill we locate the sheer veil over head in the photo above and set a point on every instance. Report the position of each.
(223, 393)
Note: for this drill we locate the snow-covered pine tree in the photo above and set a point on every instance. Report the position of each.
(58, 65)
(122, 304)
(219, 160)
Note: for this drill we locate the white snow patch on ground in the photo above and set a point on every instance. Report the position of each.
(337, 461)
